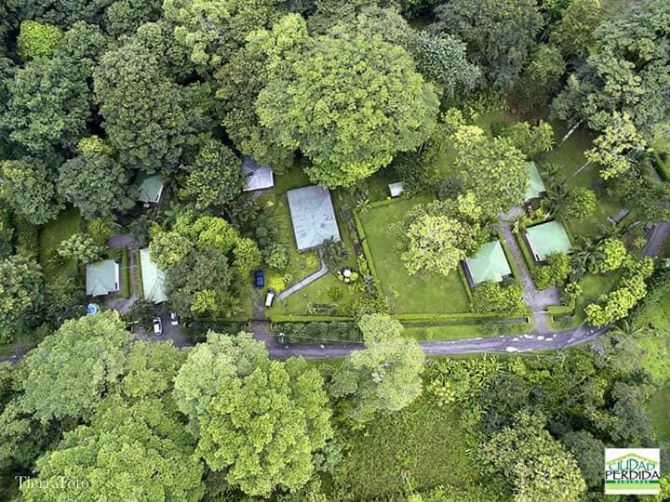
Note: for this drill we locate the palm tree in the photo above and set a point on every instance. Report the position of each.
(626, 328)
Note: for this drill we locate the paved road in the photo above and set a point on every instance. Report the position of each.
(505, 343)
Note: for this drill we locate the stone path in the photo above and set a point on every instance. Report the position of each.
(305, 282)
(128, 242)
(537, 300)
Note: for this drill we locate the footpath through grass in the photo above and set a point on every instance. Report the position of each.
(408, 294)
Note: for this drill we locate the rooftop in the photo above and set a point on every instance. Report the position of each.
(102, 278)
(488, 264)
(258, 177)
(535, 184)
(153, 278)
(150, 189)
(547, 238)
(313, 217)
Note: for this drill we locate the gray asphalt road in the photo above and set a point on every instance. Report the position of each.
(504, 343)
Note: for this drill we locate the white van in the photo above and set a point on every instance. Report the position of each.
(269, 298)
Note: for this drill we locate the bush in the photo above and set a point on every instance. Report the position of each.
(319, 332)
(495, 298)
(27, 240)
(335, 255)
(276, 256)
(277, 283)
(554, 273)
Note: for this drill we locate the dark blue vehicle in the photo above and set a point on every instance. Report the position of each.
(259, 278)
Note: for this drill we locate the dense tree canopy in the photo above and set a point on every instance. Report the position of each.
(492, 169)
(383, 378)
(20, 293)
(207, 263)
(628, 73)
(364, 93)
(499, 34)
(259, 420)
(70, 372)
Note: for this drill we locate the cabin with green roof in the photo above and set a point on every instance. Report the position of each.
(102, 278)
(153, 278)
(489, 264)
(547, 238)
(150, 189)
(535, 187)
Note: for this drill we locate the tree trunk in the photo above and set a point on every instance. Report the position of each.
(570, 132)
(584, 166)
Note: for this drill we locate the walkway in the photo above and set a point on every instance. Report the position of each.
(305, 282)
(128, 242)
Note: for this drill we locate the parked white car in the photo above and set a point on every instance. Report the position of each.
(157, 326)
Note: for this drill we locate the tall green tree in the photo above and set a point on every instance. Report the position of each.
(540, 80)
(500, 35)
(493, 170)
(215, 177)
(616, 148)
(349, 104)
(207, 264)
(95, 182)
(20, 293)
(384, 377)
(443, 59)
(627, 73)
(257, 420)
(30, 189)
(50, 100)
(574, 33)
(144, 113)
(536, 465)
(438, 236)
(242, 79)
(145, 439)
(71, 371)
(37, 39)
(211, 30)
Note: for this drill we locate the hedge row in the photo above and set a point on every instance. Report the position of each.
(530, 262)
(464, 280)
(509, 256)
(279, 318)
(368, 254)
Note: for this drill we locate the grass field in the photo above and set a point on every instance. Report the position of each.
(428, 448)
(51, 235)
(659, 412)
(408, 294)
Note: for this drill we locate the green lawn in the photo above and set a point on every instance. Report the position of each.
(569, 157)
(659, 412)
(51, 235)
(460, 330)
(408, 294)
(421, 447)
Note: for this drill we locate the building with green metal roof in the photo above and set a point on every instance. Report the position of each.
(153, 278)
(313, 217)
(535, 184)
(547, 238)
(102, 278)
(150, 189)
(489, 264)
